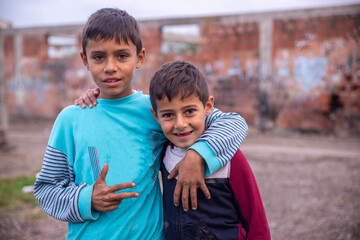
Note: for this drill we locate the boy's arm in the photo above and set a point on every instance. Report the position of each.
(225, 132)
(222, 138)
(62, 199)
(55, 189)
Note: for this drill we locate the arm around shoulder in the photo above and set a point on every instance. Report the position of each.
(222, 138)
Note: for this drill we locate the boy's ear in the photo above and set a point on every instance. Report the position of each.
(154, 113)
(141, 58)
(209, 105)
(84, 59)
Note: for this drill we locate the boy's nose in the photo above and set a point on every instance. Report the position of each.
(180, 123)
(110, 66)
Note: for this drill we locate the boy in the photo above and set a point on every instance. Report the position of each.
(181, 102)
(100, 170)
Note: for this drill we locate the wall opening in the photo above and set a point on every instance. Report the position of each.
(180, 39)
(62, 46)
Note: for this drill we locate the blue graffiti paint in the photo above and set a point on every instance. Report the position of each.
(309, 71)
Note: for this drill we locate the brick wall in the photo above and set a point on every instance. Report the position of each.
(317, 60)
(313, 83)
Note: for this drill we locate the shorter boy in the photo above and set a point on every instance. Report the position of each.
(180, 103)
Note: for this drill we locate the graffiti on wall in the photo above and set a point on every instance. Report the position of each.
(309, 71)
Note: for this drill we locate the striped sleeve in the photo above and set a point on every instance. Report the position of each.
(222, 138)
(55, 188)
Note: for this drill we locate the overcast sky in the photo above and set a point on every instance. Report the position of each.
(30, 13)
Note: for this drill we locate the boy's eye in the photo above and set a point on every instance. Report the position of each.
(167, 115)
(190, 111)
(122, 56)
(98, 57)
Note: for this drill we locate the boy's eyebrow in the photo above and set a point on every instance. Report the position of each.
(123, 50)
(117, 51)
(187, 106)
(165, 110)
(96, 52)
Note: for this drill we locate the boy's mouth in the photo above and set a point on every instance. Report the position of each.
(111, 80)
(185, 134)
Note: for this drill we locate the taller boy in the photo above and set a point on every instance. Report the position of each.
(121, 137)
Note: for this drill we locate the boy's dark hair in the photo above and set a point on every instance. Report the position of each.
(108, 23)
(178, 77)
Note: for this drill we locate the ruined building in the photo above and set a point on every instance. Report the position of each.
(297, 70)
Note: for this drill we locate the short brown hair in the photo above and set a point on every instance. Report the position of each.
(108, 23)
(178, 77)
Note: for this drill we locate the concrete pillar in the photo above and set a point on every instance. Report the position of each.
(3, 109)
(266, 26)
(19, 83)
(266, 49)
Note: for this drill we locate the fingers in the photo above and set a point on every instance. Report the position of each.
(193, 197)
(110, 208)
(106, 206)
(86, 97)
(116, 198)
(205, 190)
(182, 189)
(111, 202)
(185, 197)
(177, 192)
(103, 173)
(96, 92)
(80, 103)
(121, 186)
(90, 97)
(174, 172)
(193, 194)
(104, 198)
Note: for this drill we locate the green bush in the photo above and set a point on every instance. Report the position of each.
(11, 191)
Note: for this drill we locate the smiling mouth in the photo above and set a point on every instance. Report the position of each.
(183, 134)
(111, 80)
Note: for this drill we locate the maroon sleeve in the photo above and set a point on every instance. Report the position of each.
(246, 191)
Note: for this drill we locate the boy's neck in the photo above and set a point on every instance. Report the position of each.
(133, 91)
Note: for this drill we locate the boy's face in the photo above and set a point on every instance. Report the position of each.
(183, 120)
(112, 66)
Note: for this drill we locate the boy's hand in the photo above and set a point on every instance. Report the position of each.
(88, 97)
(104, 198)
(190, 171)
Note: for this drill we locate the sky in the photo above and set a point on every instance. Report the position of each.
(33, 13)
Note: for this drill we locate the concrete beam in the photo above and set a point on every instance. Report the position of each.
(46, 30)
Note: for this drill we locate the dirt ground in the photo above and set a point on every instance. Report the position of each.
(310, 184)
